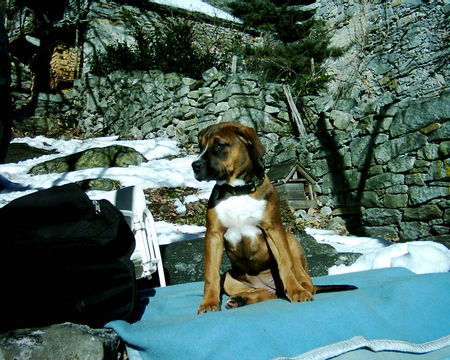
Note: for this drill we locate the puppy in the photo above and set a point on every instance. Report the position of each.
(243, 217)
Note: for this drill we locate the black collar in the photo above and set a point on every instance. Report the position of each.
(224, 191)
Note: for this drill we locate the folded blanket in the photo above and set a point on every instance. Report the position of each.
(390, 303)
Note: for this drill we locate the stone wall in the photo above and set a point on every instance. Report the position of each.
(145, 104)
(392, 178)
(381, 130)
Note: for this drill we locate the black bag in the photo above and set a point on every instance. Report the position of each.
(64, 258)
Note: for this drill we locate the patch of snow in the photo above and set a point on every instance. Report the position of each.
(171, 233)
(180, 208)
(351, 244)
(418, 256)
(199, 6)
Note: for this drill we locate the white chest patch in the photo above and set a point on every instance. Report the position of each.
(241, 215)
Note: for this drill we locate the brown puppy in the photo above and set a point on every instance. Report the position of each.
(244, 216)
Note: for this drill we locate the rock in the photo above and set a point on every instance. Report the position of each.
(337, 224)
(430, 128)
(421, 194)
(388, 232)
(395, 201)
(414, 230)
(211, 75)
(357, 150)
(246, 101)
(429, 152)
(172, 80)
(341, 120)
(66, 341)
(320, 168)
(397, 189)
(402, 145)
(401, 164)
(441, 133)
(21, 151)
(326, 210)
(381, 216)
(102, 184)
(370, 199)
(419, 114)
(438, 171)
(353, 179)
(321, 257)
(111, 156)
(183, 261)
(258, 119)
(303, 215)
(423, 213)
(383, 181)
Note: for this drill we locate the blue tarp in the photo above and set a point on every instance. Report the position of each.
(391, 303)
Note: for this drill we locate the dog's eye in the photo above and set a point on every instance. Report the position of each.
(218, 145)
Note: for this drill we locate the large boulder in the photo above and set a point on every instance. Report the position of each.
(183, 261)
(105, 157)
(66, 341)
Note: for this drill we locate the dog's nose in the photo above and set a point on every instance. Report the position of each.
(196, 166)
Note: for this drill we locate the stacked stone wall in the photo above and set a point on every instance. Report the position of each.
(381, 130)
(146, 104)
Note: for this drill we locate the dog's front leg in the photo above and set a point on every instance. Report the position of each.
(212, 260)
(295, 289)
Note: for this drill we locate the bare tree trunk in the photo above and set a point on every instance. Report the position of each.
(5, 82)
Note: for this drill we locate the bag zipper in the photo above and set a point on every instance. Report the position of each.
(98, 210)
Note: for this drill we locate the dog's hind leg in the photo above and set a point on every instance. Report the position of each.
(241, 294)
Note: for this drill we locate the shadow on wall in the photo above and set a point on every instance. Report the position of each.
(348, 192)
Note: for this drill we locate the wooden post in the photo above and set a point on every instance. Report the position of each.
(313, 68)
(234, 64)
(76, 60)
(295, 114)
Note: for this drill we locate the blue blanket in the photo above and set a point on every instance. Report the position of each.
(390, 303)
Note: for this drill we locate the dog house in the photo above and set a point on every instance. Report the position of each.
(294, 184)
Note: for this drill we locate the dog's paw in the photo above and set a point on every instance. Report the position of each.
(299, 295)
(308, 286)
(208, 307)
(235, 301)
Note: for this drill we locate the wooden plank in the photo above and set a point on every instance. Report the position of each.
(293, 197)
(295, 114)
(291, 191)
(302, 204)
(297, 186)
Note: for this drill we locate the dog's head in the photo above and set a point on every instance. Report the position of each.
(230, 152)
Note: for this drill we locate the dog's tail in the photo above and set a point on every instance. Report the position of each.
(332, 288)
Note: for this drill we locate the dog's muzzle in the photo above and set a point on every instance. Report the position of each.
(199, 169)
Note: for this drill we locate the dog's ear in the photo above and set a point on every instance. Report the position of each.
(202, 137)
(250, 137)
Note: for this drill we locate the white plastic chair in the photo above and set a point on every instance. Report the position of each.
(131, 202)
